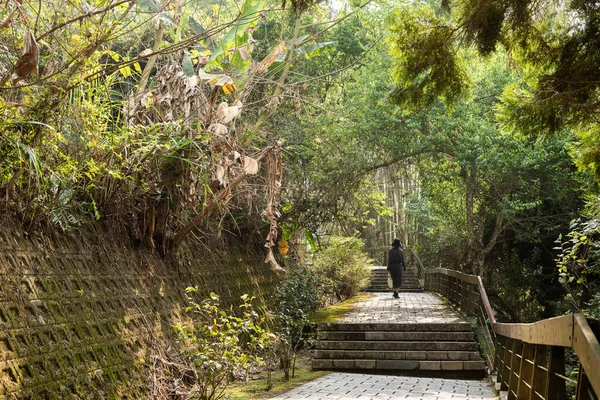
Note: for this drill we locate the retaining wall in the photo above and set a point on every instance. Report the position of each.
(79, 313)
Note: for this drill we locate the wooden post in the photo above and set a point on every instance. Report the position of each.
(555, 386)
(539, 376)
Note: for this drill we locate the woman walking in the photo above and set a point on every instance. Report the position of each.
(396, 265)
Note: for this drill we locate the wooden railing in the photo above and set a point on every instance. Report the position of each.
(529, 359)
(414, 262)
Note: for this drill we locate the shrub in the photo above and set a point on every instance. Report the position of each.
(344, 267)
(220, 346)
(299, 296)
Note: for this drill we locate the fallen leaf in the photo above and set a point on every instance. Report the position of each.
(220, 172)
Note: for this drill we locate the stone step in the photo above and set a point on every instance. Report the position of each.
(384, 282)
(400, 336)
(379, 276)
(398, 327)
(326, 364)
(404, 283)
(384, 288)
(398, 355)
(402, 290)
(385, 276)
(393, 345)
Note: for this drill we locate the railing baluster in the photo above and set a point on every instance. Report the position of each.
(583, 386)
(525, 371)
(499, 357)
(555, 386)
(506, 364)
(529, 359)
(538, 377)
(515, 364)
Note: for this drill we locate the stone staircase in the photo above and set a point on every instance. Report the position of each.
(446, 349)
(379, 276)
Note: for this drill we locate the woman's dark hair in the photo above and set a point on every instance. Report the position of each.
(396, 243)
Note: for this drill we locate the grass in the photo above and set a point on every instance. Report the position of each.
(255, 389)
(337, 311)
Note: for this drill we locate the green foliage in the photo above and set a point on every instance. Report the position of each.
(517, 284)
(549, 45)
(344, 267)
(578, 264)
(423, 76)
(219, 345)
(299, 296)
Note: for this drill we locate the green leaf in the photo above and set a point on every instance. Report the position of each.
(310, 239)
(149, 5)
(314, 49)
(187, 65)
(196, 26)
(234, 37)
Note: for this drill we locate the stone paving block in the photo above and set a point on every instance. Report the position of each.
(408, 308)
(398, 364)
(474, 365)
(365, 364)
(430, 365)
(452, 365)
(322, 364)
(343, 364)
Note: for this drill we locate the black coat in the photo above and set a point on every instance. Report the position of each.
(396, 265)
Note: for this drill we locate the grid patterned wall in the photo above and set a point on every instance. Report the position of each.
(78, 314)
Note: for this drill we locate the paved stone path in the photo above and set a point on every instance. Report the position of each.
(409, 308)
(382, 308)
(346, 386)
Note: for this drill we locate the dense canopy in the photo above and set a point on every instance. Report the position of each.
(469, 129)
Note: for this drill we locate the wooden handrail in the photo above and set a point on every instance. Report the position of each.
(472, 279)
(420, 268)
(587, 348)
(557, 331)
(571, 331)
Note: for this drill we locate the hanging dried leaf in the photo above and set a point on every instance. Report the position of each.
(250, 165)
(145, 53)
(274, 175)
(271, 57)
(222, 111)
(218, 129)
(28, 62)
(215, 79)
(232, 112)
(270, 259)
(227, 113)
